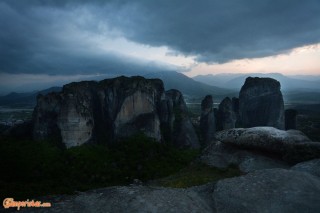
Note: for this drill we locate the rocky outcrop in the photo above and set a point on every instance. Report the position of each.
(272, 190)
(261, 103)
(108, 110)
(130, 199)
(312, 167)
(226, 115)
(207, 119)
(291, 119)
(220, 155)
(176, 123)
(292, 145)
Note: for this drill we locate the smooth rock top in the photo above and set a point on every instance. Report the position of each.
(311, 167)
(133, 199)
(269, 191)
(292, 145)
(261, 103)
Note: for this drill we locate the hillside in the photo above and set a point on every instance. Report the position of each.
(235, 81)
(24, 99)
(189, 86)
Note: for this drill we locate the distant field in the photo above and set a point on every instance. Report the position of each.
(7, 114)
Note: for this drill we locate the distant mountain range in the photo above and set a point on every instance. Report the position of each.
(219, 86)
(190, 87)
(172, 80)
(288, 83)
(295, 89)
(24, 99)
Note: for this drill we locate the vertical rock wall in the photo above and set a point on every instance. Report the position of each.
(261, 103)
(112, 109)
(207, 120)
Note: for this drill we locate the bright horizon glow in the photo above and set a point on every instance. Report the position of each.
(300, 61)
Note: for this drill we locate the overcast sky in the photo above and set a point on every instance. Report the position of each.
(50, 41)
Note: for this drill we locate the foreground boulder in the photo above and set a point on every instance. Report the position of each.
(261, 103)
(130, 199)
(312, 167)
(105, 111)
(271, 190)
(292, 145)
(221, 155)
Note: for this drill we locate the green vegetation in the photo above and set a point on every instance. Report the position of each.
(16, 115)
(197, 174)
(30, 168)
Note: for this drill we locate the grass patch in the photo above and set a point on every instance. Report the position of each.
(30, 168)
(196, 174)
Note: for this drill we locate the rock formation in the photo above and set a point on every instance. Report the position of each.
(292, 145)
(226, 115)
(261, 103)
(270, 190)
(290, 119)
(175, 121)
(312, 167)
(221, 155)
(109, 110)
(207, 119)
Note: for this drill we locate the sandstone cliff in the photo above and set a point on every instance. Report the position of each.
(112, 109)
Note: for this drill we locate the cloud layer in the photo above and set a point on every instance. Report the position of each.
(59, 37)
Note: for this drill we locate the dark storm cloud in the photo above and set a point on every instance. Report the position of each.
(59, 38)
(218, 31)
(55, 36)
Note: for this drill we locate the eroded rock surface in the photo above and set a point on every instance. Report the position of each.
(292, 145)
(130, 199)
(110, 109)
(227, 116)
(207, 119)
(261, 103)
(221, 155)
(271, 190)
(176, 122)
(312, 167)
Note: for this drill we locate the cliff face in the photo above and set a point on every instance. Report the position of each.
(105, 110)
(175, 121)
(261, 103)
(207, 120)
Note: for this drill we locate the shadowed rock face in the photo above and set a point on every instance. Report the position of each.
(176, 122)
(207, 119)
(226, 115)
(261, 103)
(105, 110)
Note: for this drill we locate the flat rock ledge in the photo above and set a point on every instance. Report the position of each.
(267, 191)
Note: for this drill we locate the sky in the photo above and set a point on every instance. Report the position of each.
(51, 42)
